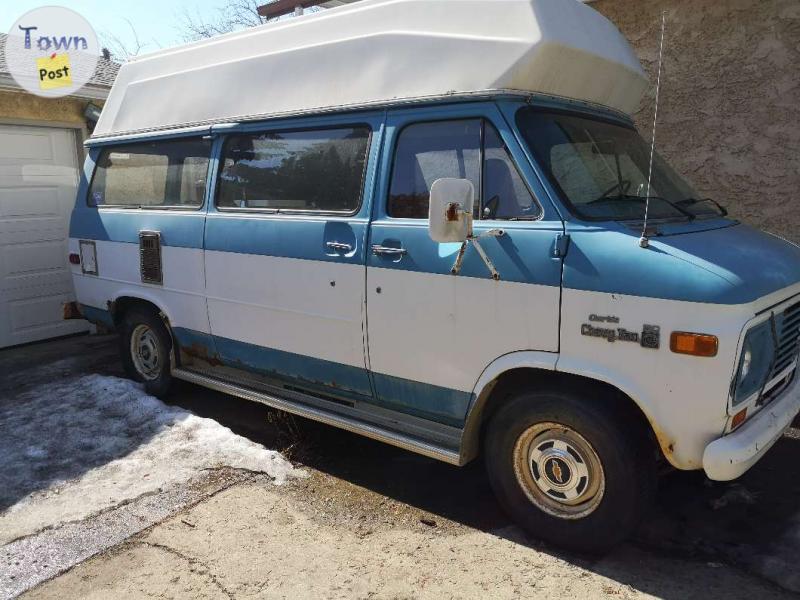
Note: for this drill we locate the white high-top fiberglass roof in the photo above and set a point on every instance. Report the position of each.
(375, 52)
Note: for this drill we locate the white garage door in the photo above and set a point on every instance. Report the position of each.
(38, 181)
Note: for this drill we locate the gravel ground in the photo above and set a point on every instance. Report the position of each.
(253, 542)
(30, 560)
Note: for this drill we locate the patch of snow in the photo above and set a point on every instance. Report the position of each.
(75, 447)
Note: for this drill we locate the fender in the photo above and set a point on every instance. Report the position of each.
(549, 361)
(636, 394)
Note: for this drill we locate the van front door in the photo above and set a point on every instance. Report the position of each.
(431, 333)
(285, 256)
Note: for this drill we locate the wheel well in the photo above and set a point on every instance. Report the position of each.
(531, 378)
(122, 305)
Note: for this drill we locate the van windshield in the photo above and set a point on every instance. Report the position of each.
(601, 168)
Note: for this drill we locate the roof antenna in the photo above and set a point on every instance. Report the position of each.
(644, 242)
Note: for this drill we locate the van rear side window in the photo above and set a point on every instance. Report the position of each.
(162, 174)
(310, 171)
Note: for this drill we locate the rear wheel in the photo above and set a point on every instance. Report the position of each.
(569, 470)
(145, 347)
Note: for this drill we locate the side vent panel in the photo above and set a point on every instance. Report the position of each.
(150, 257)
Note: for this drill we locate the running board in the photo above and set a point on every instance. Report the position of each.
(370, 431)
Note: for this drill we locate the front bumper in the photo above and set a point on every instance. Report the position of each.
(731, 456)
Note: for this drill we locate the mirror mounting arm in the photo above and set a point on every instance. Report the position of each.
(475, 240)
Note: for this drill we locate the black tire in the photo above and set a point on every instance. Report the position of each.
(158, 381)
(628, 468)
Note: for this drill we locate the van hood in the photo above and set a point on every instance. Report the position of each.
(752, 262)
(717, 262)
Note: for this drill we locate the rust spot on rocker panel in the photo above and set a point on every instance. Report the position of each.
(197, 351)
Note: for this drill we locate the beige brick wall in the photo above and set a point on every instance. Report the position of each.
(730, 103)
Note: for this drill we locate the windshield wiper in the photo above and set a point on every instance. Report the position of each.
(692, 201)
(618, 197)
(642, 200)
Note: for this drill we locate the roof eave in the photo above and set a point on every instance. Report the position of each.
(87, 92)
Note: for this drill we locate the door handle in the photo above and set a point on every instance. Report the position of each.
(339, 247)
(385, 251)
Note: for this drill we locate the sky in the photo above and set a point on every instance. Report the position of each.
(157, 22)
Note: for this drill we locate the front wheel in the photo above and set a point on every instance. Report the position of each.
(145, 346)
(569, 470)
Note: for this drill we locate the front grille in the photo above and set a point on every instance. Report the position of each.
(778, 389)
(787, 326)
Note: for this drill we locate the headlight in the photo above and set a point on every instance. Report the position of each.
(755, 362)
(747, 361)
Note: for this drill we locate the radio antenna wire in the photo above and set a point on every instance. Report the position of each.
(644, 242)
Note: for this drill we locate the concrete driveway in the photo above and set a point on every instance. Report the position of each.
(354, 518)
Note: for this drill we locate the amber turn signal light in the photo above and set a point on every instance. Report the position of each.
(738, 419)
(695, 344)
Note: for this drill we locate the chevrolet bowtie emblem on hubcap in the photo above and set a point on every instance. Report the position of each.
(557, 471)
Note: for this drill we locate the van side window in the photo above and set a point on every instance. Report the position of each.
(504, 191)
(316, 170)
(469, 149)
(160, 174)
(426, 152)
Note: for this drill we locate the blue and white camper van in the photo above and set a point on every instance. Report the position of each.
(420, 220)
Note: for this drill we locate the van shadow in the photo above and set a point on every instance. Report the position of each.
(742, 524)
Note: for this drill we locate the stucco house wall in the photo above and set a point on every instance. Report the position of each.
(18, 107)
(729, 116)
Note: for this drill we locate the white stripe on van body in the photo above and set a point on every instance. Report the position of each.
(288, 304)
(685, 397)
(445, 330)
(181, 298)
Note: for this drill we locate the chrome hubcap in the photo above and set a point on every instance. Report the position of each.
(559, 470)
(144, 351)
